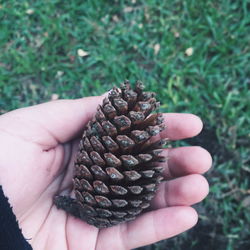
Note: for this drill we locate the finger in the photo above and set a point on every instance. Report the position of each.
(52, 122)
(186, 160)
(148, 228)
(183, 191)
(60, 121)
(180, 126)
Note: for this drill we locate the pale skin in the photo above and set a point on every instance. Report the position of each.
(37, 149)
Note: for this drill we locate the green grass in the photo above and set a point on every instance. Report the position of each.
(38, 57)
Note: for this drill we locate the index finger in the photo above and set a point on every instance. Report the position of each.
(181, 126)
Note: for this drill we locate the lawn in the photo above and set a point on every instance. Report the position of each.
(194, 54)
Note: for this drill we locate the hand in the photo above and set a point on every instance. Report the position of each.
(37, 148)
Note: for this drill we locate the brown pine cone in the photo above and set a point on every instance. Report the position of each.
(117, 167)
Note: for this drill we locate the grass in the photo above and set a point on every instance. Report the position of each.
(194, 54)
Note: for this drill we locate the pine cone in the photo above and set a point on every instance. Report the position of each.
(117, 167)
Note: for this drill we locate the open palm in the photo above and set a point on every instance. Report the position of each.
(37, 149)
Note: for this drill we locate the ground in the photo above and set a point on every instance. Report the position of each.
(194, 54)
